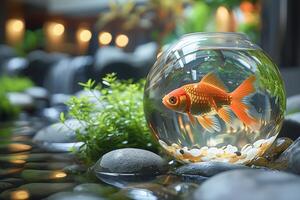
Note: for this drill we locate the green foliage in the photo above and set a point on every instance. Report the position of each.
(14, 84)
(11, 84)
(250, 29)
(198, 19)
(32, 40)
(228, 3)
(115, 121)
(268, 78)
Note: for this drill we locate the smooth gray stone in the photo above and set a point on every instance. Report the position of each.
(293, 104)
(73, 196)
(250, 184)
(39, 190)
(131, 161)
(37, 92)
(290, 128)
(19, 99)
(59, 132)
(36, 176)
(94, 188)
(207, 168)
(5, 186)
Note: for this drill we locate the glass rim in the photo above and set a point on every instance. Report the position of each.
(217, 34)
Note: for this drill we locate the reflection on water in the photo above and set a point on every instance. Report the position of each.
(19, 195)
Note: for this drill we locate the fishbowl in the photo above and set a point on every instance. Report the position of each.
(214, 97)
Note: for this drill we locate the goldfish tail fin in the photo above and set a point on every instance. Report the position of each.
(240, 104)
(209, 123)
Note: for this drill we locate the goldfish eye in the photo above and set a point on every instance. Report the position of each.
(173, 100)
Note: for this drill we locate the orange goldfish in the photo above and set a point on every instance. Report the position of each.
(209, 97)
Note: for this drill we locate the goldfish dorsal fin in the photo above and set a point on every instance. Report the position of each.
(212, 79)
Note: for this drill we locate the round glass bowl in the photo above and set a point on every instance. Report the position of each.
(214, 97)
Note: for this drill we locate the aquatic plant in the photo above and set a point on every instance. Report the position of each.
(115, 120)
(11, 84)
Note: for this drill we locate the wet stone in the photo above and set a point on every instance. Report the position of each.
(270, 156)
(183, 189)
(250, 184)
(40, 157)
(278, 146)
(37, 190)
(59, 136)
(9, 172)
(14, 181)
(207, 169)
(74, 196)
(74, 169)
(131, 161)
(294, 161)
(290, 128)
(293, 104)
(21, 100)
(284, 157)
(44, 176)
(94, 188)
(147, 191)
(46, 165)
(14, 148)
(5, 186)
(59, 132)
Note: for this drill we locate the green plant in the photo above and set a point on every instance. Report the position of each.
(32, 40)
(115, 121)
(11, 84)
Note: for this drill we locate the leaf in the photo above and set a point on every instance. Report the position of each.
(62, 117)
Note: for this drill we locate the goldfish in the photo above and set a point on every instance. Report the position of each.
(209, 97)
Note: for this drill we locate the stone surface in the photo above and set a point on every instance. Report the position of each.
(146, 191)
(294, 162)
(59, 132)
(14, 181)
(21, 100)
(94, 188)
(249, 185)
(290, 128)
(278, 146)
(131, 161)
(37, 190)
(46, 165)
(75, 169)
(74, 196)
(37, 92)
(183, 189)
(32, 176)
(294, 117)
(14, 148)
(293, 104)
(5, 186)
(9, 172)
(270, 157)
(207, 169)
(39, 157)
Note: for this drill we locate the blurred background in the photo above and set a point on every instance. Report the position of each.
(57, 43)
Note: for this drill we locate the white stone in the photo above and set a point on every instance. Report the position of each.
(195, 152)
(258, 143)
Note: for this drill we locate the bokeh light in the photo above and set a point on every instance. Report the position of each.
(15, 25)
(84, 35)
(19, 195)
(122, 40)
(105, 38)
